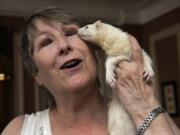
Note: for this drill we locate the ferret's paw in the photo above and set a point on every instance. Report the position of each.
(148, 74)
(111, 78)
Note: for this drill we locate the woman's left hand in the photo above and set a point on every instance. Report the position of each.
(134, 93)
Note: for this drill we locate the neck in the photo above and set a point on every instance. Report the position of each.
(81, 107)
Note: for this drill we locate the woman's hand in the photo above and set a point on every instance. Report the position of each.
(134, 92)
(138, 96)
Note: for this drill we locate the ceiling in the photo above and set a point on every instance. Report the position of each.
(114, 11)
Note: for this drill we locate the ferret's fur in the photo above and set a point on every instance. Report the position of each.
(117, 47)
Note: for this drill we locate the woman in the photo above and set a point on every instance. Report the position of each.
(66, 66)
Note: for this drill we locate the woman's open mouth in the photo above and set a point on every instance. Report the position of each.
(71, 64)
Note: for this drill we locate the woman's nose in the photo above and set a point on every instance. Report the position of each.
(64, 47)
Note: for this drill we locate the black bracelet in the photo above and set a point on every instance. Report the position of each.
(147, 121)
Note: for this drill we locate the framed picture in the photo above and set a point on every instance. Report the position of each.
(169, 97)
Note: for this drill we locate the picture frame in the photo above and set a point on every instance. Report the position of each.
(169, 97)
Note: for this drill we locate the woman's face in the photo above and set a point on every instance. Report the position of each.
(64, 61)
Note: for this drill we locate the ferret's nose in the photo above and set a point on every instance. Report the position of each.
(79, 32)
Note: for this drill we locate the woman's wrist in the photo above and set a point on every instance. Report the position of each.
(141, 109)
(149, 119)
(139, 115)
(158, 125)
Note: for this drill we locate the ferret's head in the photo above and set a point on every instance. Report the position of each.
(90, 31)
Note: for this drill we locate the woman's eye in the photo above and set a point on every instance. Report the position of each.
(70, 32)
(45, 42)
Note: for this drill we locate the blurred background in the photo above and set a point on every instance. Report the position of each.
(155, 23)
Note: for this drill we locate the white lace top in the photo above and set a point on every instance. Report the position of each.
(37, 124)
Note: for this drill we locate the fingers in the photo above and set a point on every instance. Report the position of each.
(136, 50)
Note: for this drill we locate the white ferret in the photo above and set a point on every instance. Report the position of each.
(117, 47)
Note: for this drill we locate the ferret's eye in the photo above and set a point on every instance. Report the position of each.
(86, 27)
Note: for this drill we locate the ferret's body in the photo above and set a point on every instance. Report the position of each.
(111, 43)
(117, 47)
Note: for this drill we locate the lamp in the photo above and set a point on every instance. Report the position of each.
(6, 55)
(4, 68)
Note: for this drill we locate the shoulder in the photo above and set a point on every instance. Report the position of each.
(24, 123)
(15, 126)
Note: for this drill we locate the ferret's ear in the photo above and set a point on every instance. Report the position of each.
(98, 24)
(98, 21)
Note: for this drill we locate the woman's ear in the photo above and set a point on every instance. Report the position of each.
(38, 79)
